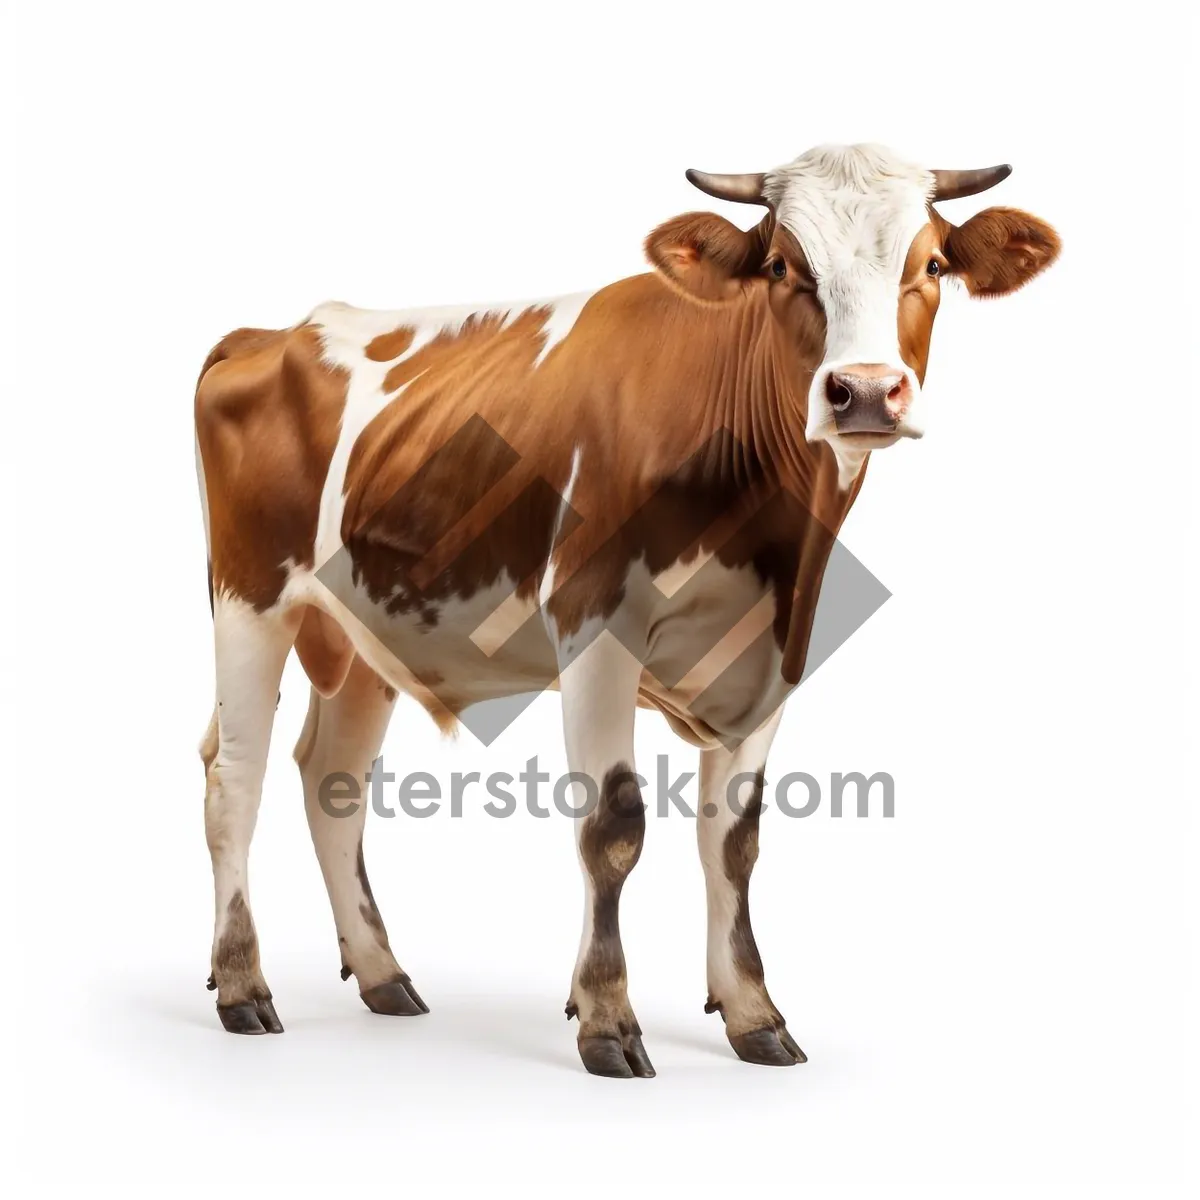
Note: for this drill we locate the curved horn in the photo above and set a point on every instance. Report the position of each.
(744, 189)
(952, 184)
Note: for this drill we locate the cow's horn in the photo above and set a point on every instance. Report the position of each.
(952, 184)
(744, 189)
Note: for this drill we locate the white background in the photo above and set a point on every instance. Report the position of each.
(991, 987)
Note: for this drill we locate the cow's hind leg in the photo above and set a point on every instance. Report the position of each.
(251, 649)
(340, 741)
(731, 785)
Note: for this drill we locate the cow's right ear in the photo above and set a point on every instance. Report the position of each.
(707, 257)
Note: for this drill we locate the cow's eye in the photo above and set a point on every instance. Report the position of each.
(933, 267)
(779, 268)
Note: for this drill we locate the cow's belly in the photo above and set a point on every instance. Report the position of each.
(461, 649)
(711, 662)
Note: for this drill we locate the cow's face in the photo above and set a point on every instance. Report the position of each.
(852, 258)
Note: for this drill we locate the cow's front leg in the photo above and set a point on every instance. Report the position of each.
(599, 698)
(731, 784)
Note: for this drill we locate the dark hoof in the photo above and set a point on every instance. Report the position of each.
(616, 1058)
(253, 1016)
(396, 998)
(767, 1047)
(637, 1058)
(268, 1016)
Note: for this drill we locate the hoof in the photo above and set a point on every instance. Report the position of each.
(396, 998)
(616, 1057)
(252, 1016)
(767, 1047)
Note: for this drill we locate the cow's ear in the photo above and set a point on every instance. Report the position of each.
(1000, 250)
(706, 256)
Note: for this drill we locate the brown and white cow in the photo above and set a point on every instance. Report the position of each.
(456, 503)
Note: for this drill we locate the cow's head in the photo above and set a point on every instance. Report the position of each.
(851, 258)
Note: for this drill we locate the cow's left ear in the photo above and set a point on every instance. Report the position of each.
(1000, 250)
(706, 256)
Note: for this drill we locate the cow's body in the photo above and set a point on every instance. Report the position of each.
(408, 384)
(625, 494)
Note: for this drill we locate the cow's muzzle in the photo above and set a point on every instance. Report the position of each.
(869, 398)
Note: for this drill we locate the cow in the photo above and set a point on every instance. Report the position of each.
(630, 495)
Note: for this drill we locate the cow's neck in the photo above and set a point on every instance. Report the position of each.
(755, 386)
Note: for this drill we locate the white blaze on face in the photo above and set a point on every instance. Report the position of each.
(855, 211)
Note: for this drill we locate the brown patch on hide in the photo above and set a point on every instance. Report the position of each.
(390, 345)
(740, 855)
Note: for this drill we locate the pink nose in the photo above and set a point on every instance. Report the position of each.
(868, 397)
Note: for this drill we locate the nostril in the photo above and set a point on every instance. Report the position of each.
(838, 392)
(897, 399)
